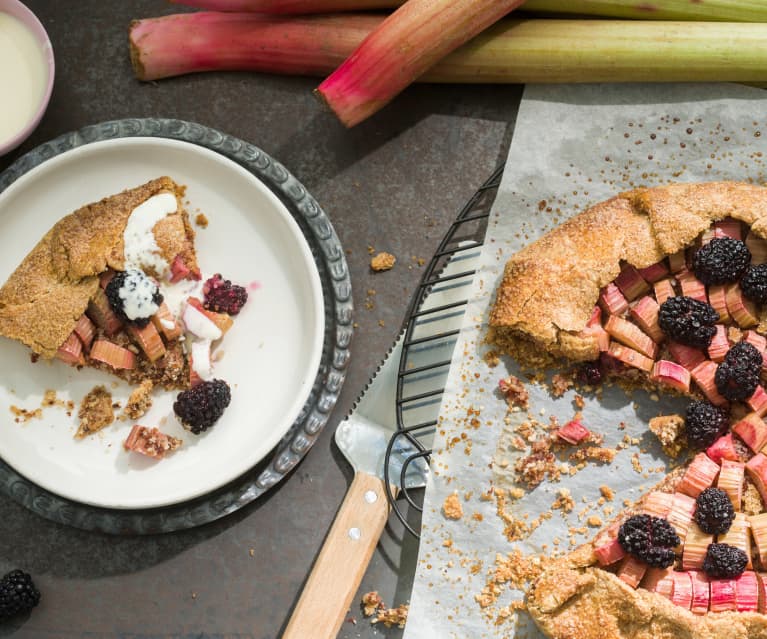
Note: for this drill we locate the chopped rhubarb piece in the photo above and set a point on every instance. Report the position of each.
(682, 593)
(660, 581)
(149, 340)
(760, 577)
(71, 351)
(717, 297)
(677, 261)
(631, 335)
(631, 283)
(166, 324)
(609, 552)
(719, 345)
(612, 301)
(728, 227)
(630, 357)
(594, 329)
(654, 272)
(178, 270)
(693, 287)
(645, 315)
(753, 338)
(102, 314)
(700, 474)
(85, 330)
(701, 593)
(731, 478)
(695, 546)
(112, 354)
(723, 448)
(758, 401)
(703, 375)
(759, 532)
(742, 310)
(222, 320)
(573, 432)
(150, 442)
(758, 248)
(747, 592)
(632, 570)
(752, 430)
(680, 514)
(672, 375)
(756, 467)
(663, 289)
(723, 595)
(687, 356)
(738, 535)
(105, 278)
(657, 504)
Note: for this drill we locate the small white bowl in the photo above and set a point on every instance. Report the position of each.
(29, 19)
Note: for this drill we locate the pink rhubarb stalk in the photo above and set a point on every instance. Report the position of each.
(671, 374)
(290, 6)
(408, 42)
(719, 345)
(663, 289)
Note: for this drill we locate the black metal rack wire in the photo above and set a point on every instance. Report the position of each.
(431, 328)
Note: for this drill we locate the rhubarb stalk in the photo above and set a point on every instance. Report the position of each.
(408, 42)
(512, 51)
(725, 10)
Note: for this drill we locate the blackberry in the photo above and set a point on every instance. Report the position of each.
(722, 260)
(688, 321)
(738, 375)
(222, 296)
(133, 296)
(753, 284)
(590, 374)
(713, 511)
(17, 594)
(724, 561)
(704, 423)
(649, 538)
(200, 407)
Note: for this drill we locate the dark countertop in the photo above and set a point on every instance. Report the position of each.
(395, 183)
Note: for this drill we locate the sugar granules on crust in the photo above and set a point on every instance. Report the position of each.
(382, 262)
(95, 412)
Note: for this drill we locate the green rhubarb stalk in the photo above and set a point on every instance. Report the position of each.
(722, 10)
(512, 51)
(406, 44)
(290, 6)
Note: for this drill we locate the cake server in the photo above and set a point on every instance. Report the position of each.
(363, 438)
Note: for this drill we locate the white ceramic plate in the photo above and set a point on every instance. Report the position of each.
(271, 355)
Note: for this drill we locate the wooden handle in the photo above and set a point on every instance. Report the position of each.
(342, 562)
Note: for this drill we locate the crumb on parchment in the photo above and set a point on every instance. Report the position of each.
(669, 430)
(382, 261)
(514, 391)
(451, 507)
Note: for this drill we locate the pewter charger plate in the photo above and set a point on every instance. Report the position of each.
(84, 508)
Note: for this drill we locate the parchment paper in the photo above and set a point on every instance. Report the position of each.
(573, 146)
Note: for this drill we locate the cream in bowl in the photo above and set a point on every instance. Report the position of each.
(26, 73)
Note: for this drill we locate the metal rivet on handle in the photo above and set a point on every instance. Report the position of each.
(371, 497)
(355, 533)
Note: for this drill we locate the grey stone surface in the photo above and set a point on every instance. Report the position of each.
(394, 183)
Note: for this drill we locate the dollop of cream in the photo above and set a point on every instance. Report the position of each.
(137, 293)
(201, 359)
(141, 249)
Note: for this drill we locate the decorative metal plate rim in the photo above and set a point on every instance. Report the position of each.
(336, 286)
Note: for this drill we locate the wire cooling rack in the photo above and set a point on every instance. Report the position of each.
(431, 328)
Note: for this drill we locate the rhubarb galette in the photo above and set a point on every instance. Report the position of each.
(666, 288)
(116, 286)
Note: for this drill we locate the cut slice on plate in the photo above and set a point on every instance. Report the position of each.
(55, 304)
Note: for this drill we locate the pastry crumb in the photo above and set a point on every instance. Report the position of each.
(514, 391)
(201, 220)
(371, 603)
(95, 412)
(668, 429)
(151, 442)
(391, 617)
(607, 492)
(451, 507)
(139, 402)
(560, 384)
(382, 262)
